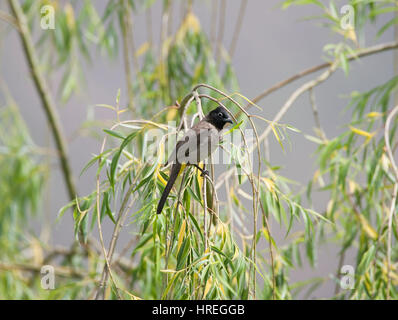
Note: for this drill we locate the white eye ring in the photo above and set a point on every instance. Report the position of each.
(220, 114)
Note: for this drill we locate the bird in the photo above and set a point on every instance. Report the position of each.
(198, 143)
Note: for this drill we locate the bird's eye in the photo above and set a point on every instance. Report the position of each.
(220, 114)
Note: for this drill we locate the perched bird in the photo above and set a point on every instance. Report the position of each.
(198, 143)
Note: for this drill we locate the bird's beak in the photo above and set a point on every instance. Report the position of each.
(229, 121)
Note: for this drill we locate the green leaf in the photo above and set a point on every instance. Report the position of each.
(366, 259)
(183, 253)
(116, 157)
(114, 134)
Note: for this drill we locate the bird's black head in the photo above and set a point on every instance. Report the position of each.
(219, 117)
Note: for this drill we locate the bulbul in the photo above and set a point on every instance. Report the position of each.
(198, 143)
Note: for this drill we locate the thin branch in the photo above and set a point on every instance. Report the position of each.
(164, 28)
(108, 256)
(307, 86)
(271, 252)
(131, 42)
(339, 266)
(60, 271)
(394, 195)
(148, 20)
(115, 235)
(389, 237)
(387, 141)
(213, 23)
(204, 191)
(45, 96)
(170, 24)
(250, 176)
(395, 58)
(361, 53)
(125, 27)
(9, 19)
(238, 27)
(296, 94)
(320, 131)
(221, 28)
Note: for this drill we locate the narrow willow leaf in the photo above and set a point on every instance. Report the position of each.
(181, 235)
(115, 159)
(114, 134)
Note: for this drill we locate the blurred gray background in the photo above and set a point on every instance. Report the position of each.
(273, 45)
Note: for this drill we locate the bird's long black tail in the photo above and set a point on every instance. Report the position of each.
(175, 169)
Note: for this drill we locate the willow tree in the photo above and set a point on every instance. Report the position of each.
(214, 238)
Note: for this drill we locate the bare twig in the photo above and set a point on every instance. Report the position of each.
(115, 235)
(131, 44)
(271, 252)
(220, 34)
(314, 108)
(204, 191)
(125, 27)
(361, 53)
(296, 94)
(45, 96)
(60, 271)
(339, 266)
(213, 23)
(9, 19)
(396, 57)
(148, 20)
(164, 28)
(238, 27)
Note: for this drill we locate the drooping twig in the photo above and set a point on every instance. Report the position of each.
(131, 44)
(204, 191)
(271, 252)
(115, 235)
(99, 293)
(148, 20)
(396, 57)
(125, 27)
(339, 266)
(164, 29)
(45, 96)
(315, 113)
(387, 141)
(394, 195)
(213, 23)
(220, 34)
(238, 27)
(250, 176)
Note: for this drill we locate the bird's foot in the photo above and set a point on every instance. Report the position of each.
(204, 173)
